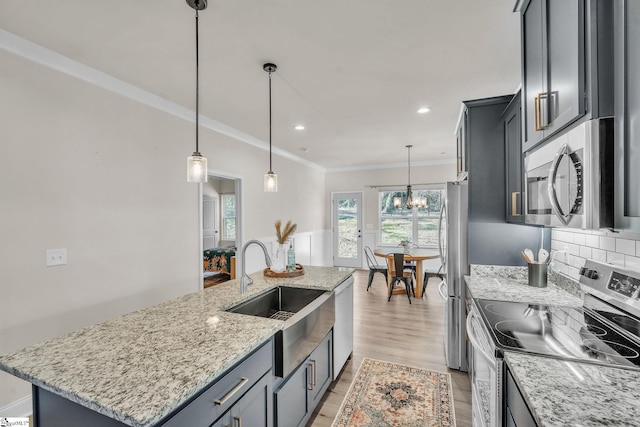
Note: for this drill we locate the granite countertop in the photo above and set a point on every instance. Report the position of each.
(562, 393)
(559, 392)
(140, 367)
(510, 284)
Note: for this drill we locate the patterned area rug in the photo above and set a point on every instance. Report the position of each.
(387, 394)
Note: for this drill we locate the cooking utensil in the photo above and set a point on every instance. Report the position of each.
(528, 254)
(542, 255)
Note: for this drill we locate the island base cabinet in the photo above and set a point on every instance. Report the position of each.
(299, 395)
(253, 409)
(52, 410)
(242, 396)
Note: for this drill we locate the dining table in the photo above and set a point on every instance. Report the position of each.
(417, 255)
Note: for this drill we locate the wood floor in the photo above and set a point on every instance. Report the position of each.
(396, 332)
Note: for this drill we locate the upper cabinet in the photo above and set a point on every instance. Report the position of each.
(627, 115)
(512, 120)
(481, 127)
(562, 72)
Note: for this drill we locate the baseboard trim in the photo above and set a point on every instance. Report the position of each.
(20, 408)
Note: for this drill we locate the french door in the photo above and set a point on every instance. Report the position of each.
(347, 229)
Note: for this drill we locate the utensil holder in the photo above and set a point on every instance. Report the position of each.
(538, 274)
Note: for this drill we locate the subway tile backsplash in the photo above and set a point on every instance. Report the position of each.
(614, 248)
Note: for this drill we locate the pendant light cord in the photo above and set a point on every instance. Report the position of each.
(270, 166)
(197, 82)
(409, 162)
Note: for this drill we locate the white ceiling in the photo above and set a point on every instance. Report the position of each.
(354, 72)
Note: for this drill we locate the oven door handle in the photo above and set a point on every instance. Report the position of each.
(551, 185)
(474, 340)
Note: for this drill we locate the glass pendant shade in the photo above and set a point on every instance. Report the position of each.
(270, 182)
(397, 202)
(196, 168)
(409, 198)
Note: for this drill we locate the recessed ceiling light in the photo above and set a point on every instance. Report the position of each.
(299, 127)
(423, 110)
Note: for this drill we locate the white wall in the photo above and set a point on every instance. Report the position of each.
(621, 249)
(103, 176)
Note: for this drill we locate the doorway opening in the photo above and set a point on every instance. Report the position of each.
(221, 227)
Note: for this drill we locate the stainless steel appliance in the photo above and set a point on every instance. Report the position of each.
(452, 243)
(466, 237)
(569, 180)
(605, 331)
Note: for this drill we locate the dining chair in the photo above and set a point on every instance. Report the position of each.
(431, 272)
(399, 274)
(374, 267)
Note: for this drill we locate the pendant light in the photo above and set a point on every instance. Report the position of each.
(409, 202)
(197, 163)
(270, 178)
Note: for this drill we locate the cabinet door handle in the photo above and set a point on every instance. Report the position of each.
(233, 391)
(537, 111)
(237, 421)
(310, 376)
(314, 374)
(514, 204)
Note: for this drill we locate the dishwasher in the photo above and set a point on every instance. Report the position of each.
(343, 325)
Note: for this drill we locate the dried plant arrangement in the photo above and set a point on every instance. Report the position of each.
(289, 229)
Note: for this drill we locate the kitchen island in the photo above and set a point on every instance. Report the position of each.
(557, 392)
(140, 368)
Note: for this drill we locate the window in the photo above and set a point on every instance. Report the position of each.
(228, 217)
(417, 225)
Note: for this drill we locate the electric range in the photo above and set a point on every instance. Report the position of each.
(605, 330)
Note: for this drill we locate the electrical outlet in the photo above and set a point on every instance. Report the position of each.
(56, 257)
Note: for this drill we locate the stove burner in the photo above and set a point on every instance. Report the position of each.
(596, 330)
(495, 309)
(610, 348)
(629, 324)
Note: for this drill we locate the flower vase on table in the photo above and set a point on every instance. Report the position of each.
(279, 263)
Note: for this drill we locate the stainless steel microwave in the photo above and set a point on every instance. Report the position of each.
(569, 180)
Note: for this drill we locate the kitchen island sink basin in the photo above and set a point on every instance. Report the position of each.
(279, 303)
(308, 316)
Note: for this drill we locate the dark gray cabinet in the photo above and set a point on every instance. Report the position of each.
(627, 115)
(567, 65)
(512, 119)
(553, 38)
(481, 123)
(301, 392)
(242, 395)
(516, 412)
(249, 382)
(253, 409)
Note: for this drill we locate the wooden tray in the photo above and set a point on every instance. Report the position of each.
(299, 272)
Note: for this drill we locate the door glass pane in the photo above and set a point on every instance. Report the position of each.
(347, 228)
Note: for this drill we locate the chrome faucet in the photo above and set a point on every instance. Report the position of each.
(245, 280)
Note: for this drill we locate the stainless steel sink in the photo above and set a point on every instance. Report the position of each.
(308, 316)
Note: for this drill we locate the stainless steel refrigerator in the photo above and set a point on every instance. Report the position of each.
(464, 240)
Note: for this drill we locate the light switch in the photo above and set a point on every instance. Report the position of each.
(56, 257)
